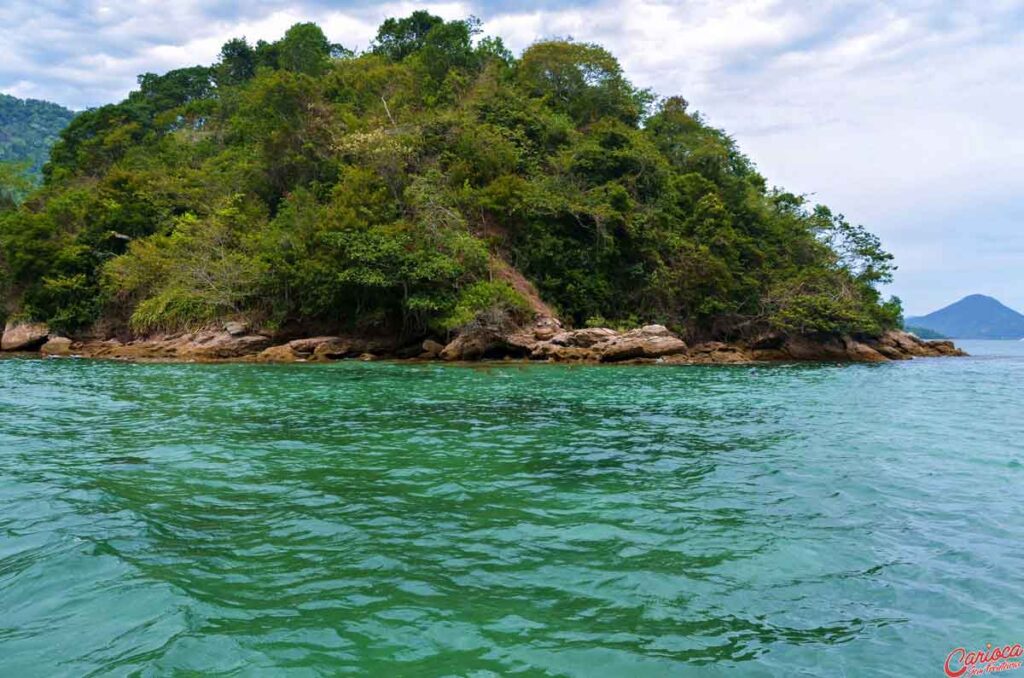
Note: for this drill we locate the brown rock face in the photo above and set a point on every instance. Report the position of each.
(207, 345)
(718, 353)
(651, 341)
(584, 338)
(278, 354)
(475, 344)
(23, 336)
(57, 346)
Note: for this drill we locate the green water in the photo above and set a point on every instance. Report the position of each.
(435, 520)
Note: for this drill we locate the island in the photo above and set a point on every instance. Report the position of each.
(434, 197)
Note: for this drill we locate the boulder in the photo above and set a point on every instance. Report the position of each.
(236, 328)
(431, 349)
(651, 341)
(335, 350)
(473, 345)
(546, 327)
(57, 346)
(23, 336)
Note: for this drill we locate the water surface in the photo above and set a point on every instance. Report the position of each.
(437, 520)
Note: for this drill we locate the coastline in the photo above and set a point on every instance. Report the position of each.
(545, 341)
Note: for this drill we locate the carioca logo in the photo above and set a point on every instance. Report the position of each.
(960, 662)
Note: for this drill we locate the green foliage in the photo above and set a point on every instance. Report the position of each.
(15, 184)
(296, 183)
(490, 300)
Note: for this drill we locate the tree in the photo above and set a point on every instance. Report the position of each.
(398, 38)
(15, 184)
(304, 49)
(237, 63)
(582, 80)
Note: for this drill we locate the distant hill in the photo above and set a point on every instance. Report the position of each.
(28, 128)
(973, 317)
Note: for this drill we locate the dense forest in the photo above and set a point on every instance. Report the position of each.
(297, 182)
(28, 128)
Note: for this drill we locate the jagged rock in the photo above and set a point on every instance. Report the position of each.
(23, 336)
(904, 342)
(57, 346)
(862, 353)
(898, 344)
(945, 347)
(651, 341)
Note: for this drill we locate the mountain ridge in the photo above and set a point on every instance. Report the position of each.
(976, 316)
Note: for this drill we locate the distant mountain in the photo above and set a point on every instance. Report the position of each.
(28, 128)
(973, 317)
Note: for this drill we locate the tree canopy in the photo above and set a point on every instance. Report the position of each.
(298, 182)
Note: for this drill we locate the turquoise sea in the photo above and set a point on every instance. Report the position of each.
(434, 520)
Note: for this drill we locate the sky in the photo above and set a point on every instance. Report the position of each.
(904, 115)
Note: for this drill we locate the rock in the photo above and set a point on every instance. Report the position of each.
(945, 347)
(816, 348)
(900, 345)
(769, 355)
(335, 350)
(57, 346)
(560, 353)
(367, 357)
(221, 346)
(652, 341)
(655, 331)
(278, 354)
(431, 349)
(236, 328)
(584, 338)
(473, 345)
(23, 336)
(307, 346)
(862, 353)
(546, 327)
(716, 352)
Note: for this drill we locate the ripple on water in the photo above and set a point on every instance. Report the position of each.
(424, 519)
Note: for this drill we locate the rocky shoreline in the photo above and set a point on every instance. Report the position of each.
(545, 341)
